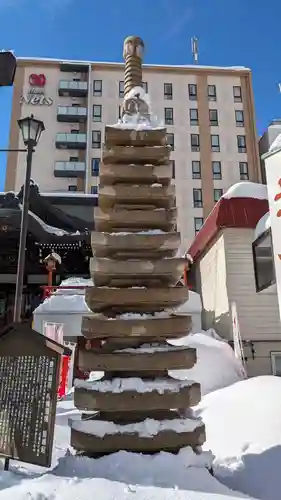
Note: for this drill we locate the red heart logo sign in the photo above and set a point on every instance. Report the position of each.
(37, 80)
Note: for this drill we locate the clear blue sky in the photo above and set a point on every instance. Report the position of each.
(242, 33)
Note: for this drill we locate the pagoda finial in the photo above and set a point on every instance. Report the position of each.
(133, 54)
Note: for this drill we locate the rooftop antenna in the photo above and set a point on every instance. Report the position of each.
(194, 49)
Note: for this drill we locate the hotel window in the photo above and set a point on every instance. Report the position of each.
(244, 171)
(195, 142)
(213, 116)
(171, 141)
(197, 198)
(212, 93)
(198, 223)
(239, 118)
(217, 194)
(96, 139)
(95, 167)
(173, 169)
(215, 143)
(121, 89)
(196, 170)
(168, 91)
(276, 363)
(94, 189)
(216, 167)
(263, 261)
(193, 116)
(145, 87)
(237, 93)
(192, 92)
(241, 144)
(72, 188)
(97, 112)
(97, 88)
(169, 116)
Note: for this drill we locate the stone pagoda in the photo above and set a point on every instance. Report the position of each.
(136, 406)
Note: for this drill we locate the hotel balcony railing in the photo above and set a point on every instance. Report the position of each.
(69, 169)
(71, 141)
(71, 114)
(72, 88)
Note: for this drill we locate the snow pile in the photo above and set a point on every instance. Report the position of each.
(137, 121)
(247, 189)
(263, 225)
(70, 301)
(276, 144)
(123, 476)
(243, 424)
(216, 365)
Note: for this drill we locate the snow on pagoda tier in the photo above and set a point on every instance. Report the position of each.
(136, 406)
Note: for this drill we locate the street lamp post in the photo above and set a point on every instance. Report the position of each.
(31, 130)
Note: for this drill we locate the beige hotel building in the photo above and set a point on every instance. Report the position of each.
(208, 111)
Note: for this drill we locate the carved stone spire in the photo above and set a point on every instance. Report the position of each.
(133, 53)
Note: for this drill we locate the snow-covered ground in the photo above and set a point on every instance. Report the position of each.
(122, 476)
(243, 423)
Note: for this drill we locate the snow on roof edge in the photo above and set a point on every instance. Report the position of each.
(247, 189)
(263, 225)
(121, 64)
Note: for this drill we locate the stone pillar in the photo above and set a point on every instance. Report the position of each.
(133, 53)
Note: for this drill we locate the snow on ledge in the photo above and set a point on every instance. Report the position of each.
(263, 225)
(120, 385)
(147, 428)
(247, 190)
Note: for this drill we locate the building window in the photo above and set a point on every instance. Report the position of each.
(215, 143)
(216, 167)
(195, 142)
(197, 198)
(196, 170)
(97, 88)
(276, 363)
(192, 91)
(74, 131)
(171, 141)
(73, 159)
(244, 171)
(263, 261)
(241, 144)
(212, 93)
(97, 112)
(217, 194)
(72, 188)
(145, 87)
(94, 189)
(213, 116)
(121, 89)
(169, 116)
(237, 93)
(95, 167)
(193, 116)
(168, 91)
(173, 169)
(239, 118)
(119, 112)
(198, 223)
(96, 139)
